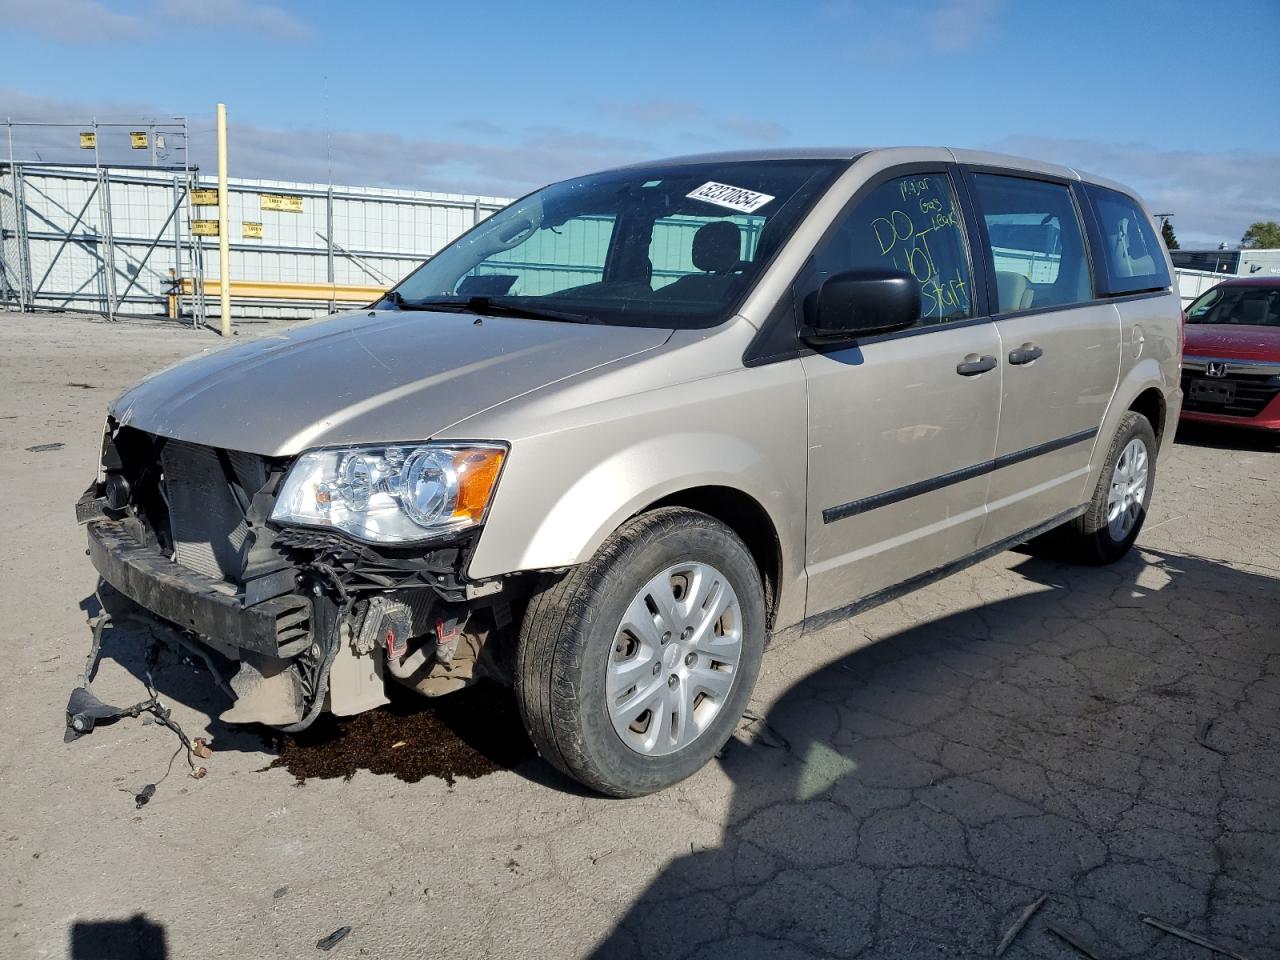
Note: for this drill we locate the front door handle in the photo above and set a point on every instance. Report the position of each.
(973, 365)
(1025, 354)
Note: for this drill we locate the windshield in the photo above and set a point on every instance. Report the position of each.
(674, 247)
(1244, 306)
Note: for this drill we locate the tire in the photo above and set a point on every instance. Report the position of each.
(1091, 538)
(576, 652)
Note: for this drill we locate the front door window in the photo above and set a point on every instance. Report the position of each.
(911, 224)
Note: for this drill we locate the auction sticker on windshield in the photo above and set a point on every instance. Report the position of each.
(735, 198)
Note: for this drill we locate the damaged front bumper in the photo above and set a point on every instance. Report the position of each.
(294, 621)
(269, 648)
(311, 639)
(278, 627)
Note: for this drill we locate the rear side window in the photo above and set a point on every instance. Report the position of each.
(1131, 254)
(1037, 246)
(910, 224)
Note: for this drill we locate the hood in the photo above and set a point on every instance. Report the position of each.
(1232, 341)
(368, 377)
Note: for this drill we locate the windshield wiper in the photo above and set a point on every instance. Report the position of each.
(494, 308)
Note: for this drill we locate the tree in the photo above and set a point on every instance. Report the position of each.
(1170, 238)
(1264, 234)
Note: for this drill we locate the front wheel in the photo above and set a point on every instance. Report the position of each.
(634, 668)
(1107, 530)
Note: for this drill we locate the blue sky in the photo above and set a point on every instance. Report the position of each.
(1177, 98)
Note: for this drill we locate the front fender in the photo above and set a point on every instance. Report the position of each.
(566, 488)
(573, 521)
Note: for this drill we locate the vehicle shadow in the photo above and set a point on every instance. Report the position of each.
(137, 938)
(1108, 739)
(1226, 438)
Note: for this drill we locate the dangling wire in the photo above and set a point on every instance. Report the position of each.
(152, 705)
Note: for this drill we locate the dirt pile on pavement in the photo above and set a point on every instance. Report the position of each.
(467, 734)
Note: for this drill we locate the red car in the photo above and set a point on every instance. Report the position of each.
(1231, 355)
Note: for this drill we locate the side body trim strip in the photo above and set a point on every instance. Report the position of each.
(897, 495)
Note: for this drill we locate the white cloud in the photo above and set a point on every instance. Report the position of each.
(71, 20)
(962, 24)
(754, 131)
(84, 21)
(887, 32)
(235, 14)
(655, 112)
(1214, 196)
(514, 163)
(696, 124)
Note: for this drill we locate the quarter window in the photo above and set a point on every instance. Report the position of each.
(1037, 246)
(1133, 256)
(911, 224)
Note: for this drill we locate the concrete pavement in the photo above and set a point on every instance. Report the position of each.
(1108, 737)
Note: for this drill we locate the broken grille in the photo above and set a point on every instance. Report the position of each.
(206, 519)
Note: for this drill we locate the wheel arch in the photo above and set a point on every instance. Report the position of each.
(745, 516)
(1146, 388)
(1151, 404)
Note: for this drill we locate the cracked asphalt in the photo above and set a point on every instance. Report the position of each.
(1108, 737)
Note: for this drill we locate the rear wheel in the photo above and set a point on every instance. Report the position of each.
(634, 668)
(1108, 529)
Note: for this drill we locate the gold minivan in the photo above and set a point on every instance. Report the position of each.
(605, 445)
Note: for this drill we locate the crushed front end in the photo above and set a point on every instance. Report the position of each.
(297, 619)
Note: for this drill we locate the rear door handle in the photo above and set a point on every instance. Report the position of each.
(1025, 354)
(972, 367)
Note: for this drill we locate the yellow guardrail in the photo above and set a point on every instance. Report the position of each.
(277, 290)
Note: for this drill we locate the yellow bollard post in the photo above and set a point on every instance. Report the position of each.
(224, 239)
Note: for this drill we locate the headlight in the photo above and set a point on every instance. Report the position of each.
(392, 494)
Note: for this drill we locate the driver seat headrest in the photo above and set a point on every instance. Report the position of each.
(717, 247)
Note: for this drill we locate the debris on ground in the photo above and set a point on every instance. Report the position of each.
(1190, 937)
(758, 730)
(1007, 940)
(279, 892)
(1202, 735)
(200, 747)
(84, 711)
(45, 447)
(333, 939)
(1074, 939)
(468, 734)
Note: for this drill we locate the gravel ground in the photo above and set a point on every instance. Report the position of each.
(1108, 738)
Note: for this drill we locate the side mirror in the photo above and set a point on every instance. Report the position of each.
(859, 303)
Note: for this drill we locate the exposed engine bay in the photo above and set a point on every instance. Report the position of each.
(294, 621)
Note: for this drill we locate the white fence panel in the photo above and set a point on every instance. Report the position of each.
(125, 251)
(1192, 283)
